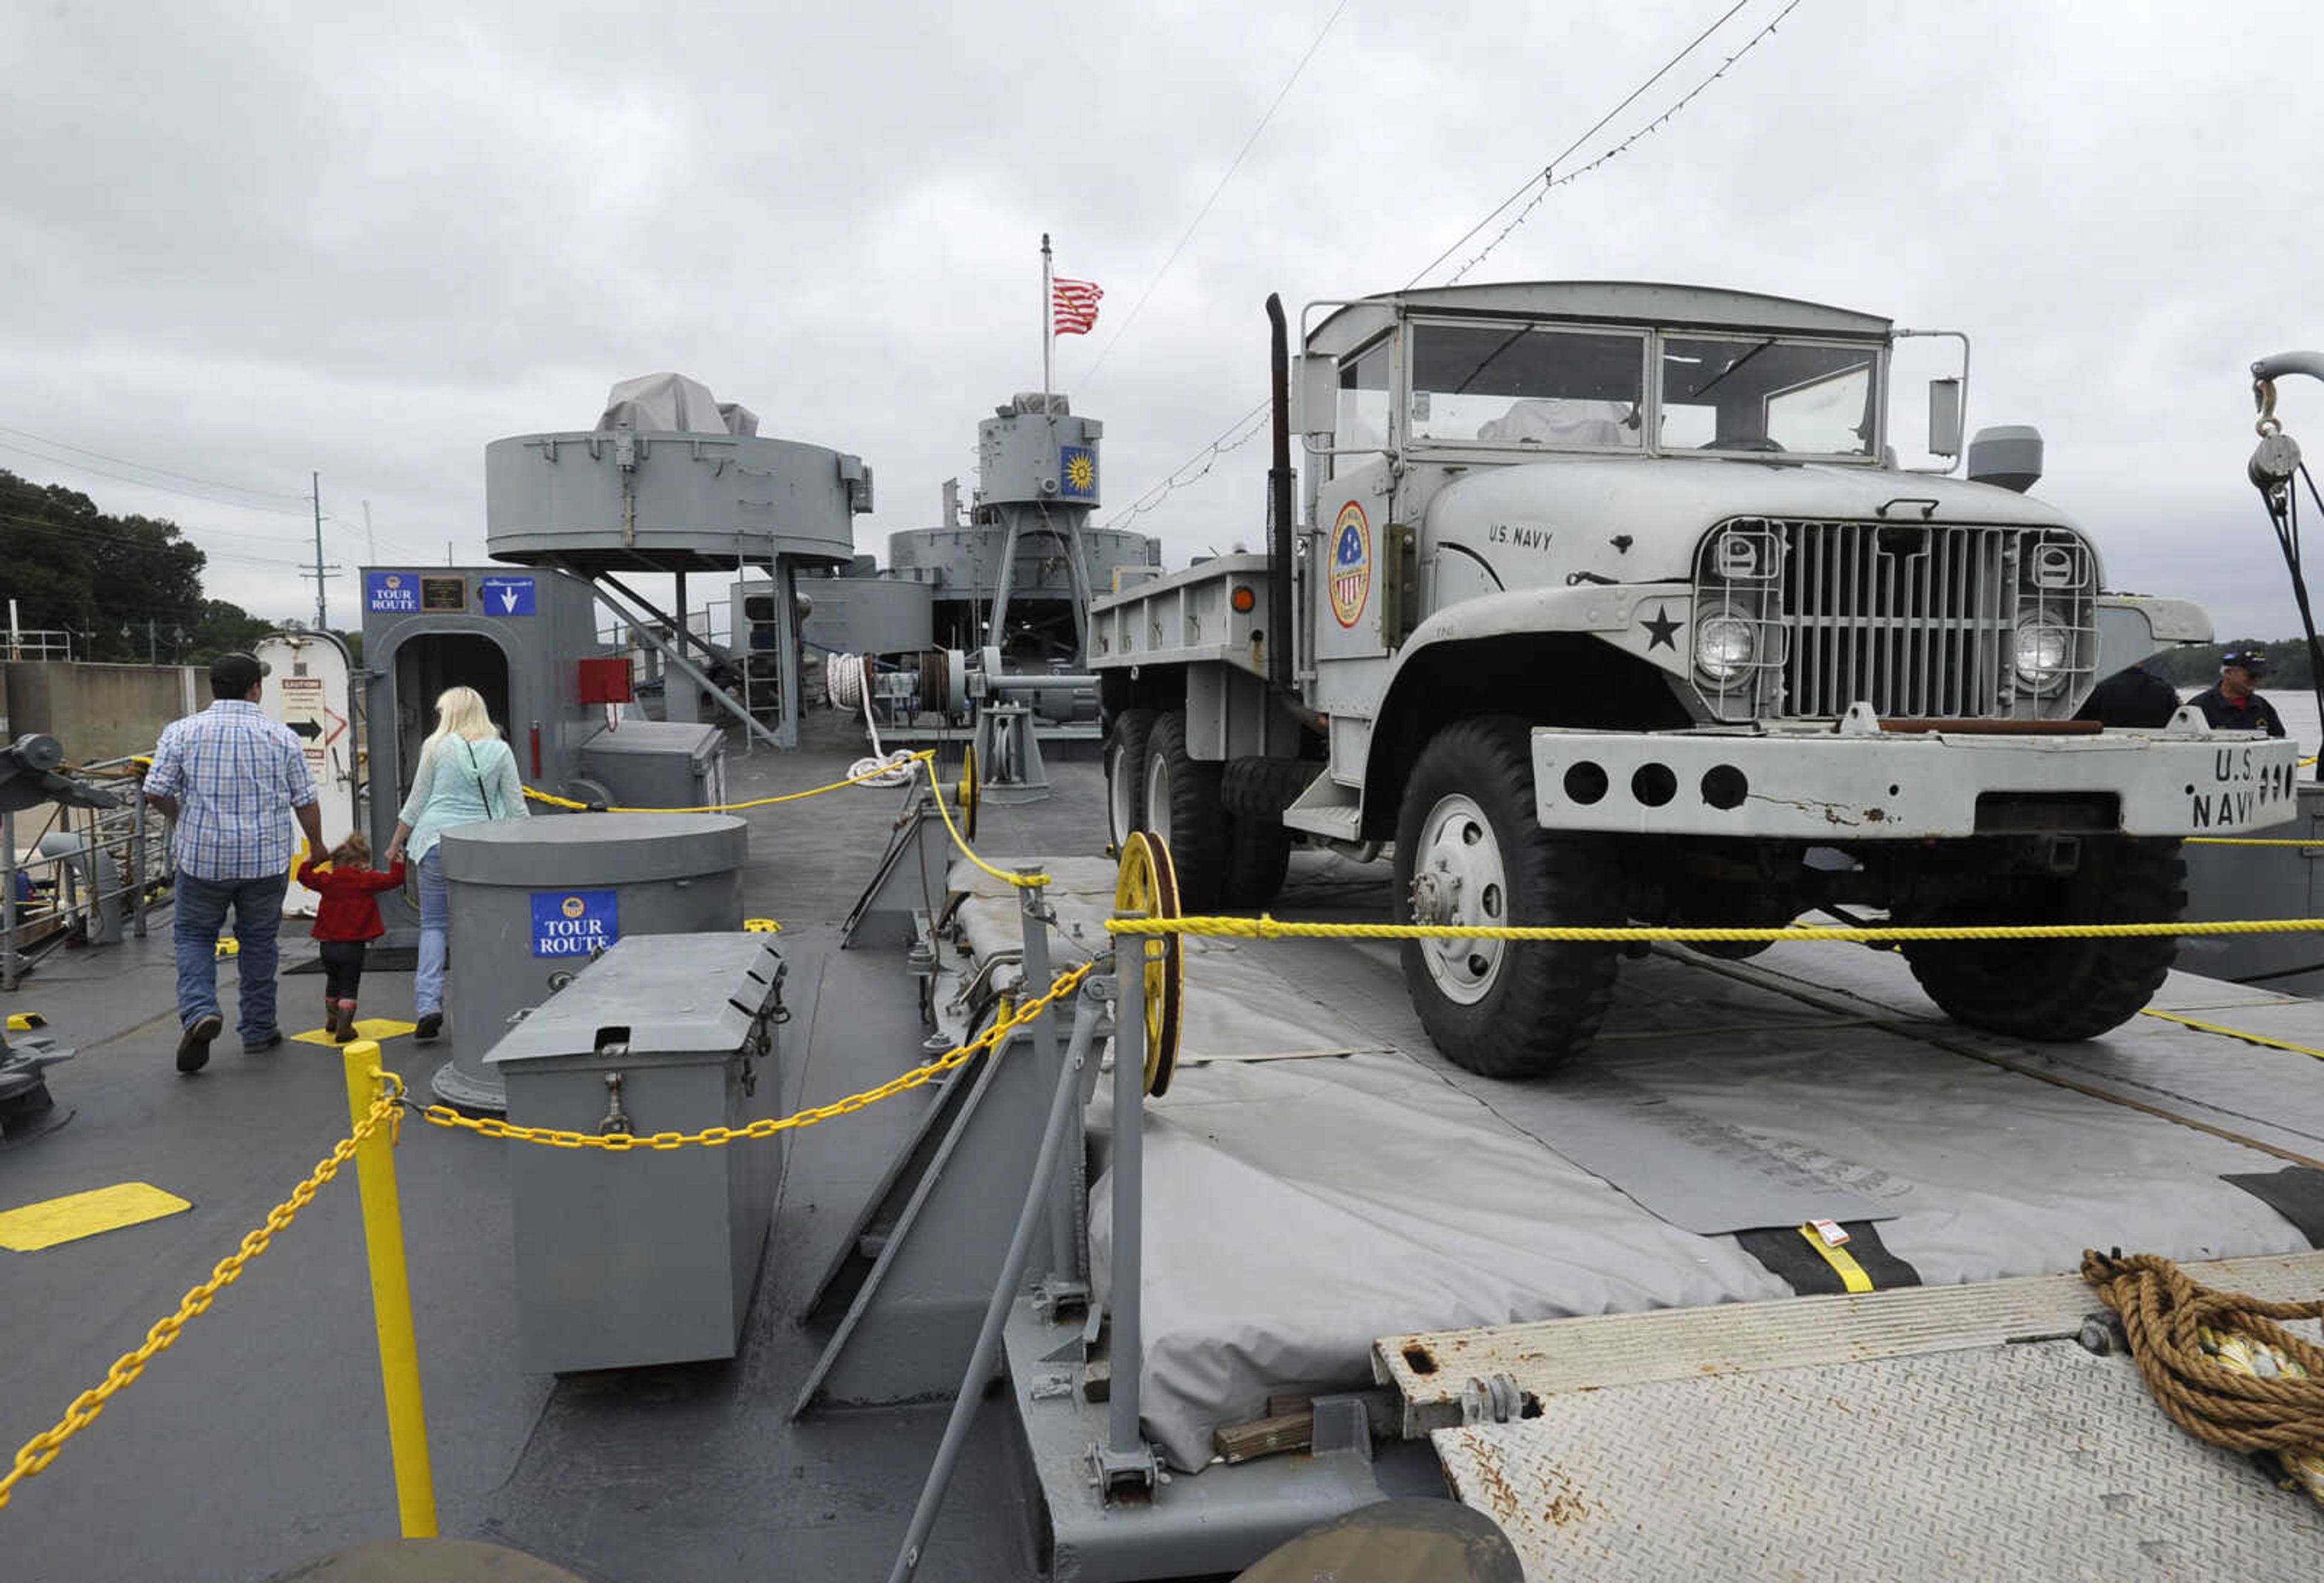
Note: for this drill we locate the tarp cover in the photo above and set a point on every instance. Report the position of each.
(671, 403)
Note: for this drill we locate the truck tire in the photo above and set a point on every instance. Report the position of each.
(1256, 791)
(2059, 991)
(1182, 802)
(1125, 776)
(1468, 835)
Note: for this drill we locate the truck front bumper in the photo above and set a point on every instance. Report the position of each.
(1859, 783)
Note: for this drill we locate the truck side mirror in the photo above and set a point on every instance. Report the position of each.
(1315, 397)
(1944, 416)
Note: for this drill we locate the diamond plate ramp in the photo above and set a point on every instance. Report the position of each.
(2039, 1460)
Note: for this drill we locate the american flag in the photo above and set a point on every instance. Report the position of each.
(1073, 304)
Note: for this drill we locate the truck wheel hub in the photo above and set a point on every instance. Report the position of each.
(1459, 878)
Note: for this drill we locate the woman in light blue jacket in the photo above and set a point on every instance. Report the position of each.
(466, 775)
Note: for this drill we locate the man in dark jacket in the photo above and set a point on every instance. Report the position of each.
(2133, 697)
(2232, 705)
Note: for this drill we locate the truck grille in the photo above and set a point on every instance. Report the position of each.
(1918, 620)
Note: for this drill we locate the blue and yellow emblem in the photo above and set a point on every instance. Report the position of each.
(1077, 472)
(1351, 563)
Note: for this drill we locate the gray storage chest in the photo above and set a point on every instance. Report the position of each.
(644, 1256)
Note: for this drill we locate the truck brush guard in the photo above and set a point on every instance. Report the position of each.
(1919, 619)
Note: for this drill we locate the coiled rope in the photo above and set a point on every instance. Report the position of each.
(846, 682)
(2218, 1363)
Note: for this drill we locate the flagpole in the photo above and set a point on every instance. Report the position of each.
(1048, 335)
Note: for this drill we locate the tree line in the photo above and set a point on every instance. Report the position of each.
(2289, 666)
(128, 589)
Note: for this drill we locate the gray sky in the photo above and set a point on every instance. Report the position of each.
(240, 242)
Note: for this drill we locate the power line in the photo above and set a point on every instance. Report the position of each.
(146, 467)
(1091, 377)
(1547, 177)
(88, 534)
(1209, 457)
(161, 488)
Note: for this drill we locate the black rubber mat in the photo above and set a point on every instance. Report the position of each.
(2296, 1192)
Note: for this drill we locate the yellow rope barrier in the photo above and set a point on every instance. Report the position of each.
(41, 1449)
(1022, 881)
(2252, 841)
(556, 802)
(1264, 928)
(2248, 1038)
(713, 1137)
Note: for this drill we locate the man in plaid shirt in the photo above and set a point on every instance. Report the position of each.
(231, 780)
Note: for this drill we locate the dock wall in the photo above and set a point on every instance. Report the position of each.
(97, 711)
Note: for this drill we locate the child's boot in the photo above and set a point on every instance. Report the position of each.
(343, 1021)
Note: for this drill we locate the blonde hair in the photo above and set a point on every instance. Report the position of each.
(460, 711)
(354, 851)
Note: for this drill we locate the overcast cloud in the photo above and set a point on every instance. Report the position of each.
(242, 243)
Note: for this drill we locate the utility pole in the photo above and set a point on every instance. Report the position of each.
(370, 545)
(152, 644)
(321, 572)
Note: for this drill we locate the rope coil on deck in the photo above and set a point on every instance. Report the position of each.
(712, 1136)
(41, 1449)
(869, 777)
(2218, 1363)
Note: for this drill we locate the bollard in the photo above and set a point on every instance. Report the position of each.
(390, 1300)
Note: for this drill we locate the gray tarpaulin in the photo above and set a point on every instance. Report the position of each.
(671, 403)
(1296, 1210)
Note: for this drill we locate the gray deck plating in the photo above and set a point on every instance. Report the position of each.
(2032, 1461)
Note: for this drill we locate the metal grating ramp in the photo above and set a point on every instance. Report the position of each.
(1556, 1356)
(2039, 1460)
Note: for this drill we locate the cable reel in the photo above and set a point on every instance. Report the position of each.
(1148, 883)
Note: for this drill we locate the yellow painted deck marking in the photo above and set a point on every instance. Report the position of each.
(378, 1029)
(85, 1214)
(25, 1022)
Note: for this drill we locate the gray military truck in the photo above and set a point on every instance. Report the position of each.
(1610, 604)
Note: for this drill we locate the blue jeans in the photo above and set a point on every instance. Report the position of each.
(202, 908)
(435, 935)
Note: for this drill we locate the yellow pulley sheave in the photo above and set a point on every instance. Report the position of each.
(1148, 883)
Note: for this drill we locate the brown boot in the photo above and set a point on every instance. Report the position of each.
(343, 1021)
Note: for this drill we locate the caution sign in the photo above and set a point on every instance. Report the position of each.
(310, 719)
(575, 923)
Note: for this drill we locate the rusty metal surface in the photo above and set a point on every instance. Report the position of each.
(1557, 1357)
(2028, 1461)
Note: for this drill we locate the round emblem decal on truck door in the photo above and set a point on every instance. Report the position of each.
(1351, 563)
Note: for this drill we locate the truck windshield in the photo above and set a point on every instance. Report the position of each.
(1527, 385)
(1767, 393)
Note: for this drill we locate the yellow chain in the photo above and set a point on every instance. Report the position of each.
(1264, 928)
(556, 802)
(712, 1136)
(2250, 840)
(41, 1449)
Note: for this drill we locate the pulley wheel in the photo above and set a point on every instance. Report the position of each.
(970, 793)
(1149, 884)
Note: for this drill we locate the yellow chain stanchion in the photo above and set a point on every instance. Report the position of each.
(923, 755)
(1265, 927)
(713, 1137)
(390, 1292)
(41, 1449)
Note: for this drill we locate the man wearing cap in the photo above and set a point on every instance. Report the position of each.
(2232, 705)
(231, 782)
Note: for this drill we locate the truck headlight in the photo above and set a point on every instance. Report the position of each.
(1723, 646)
(2044, 650)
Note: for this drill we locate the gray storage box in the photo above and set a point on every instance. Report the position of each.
(646, 1255)
(655, 764)
(532, 900)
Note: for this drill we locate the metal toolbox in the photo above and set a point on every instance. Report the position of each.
(644, 1256)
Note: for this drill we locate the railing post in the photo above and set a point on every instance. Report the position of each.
(1064, 1258)
(137, 858)
(390, 1300)
(7, 898)
(1125, 1458)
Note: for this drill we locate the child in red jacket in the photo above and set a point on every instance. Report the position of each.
(346, 918)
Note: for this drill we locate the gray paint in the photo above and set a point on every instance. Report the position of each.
(644, 1256)
(668, 873)
(656, 764)
(668, 502)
